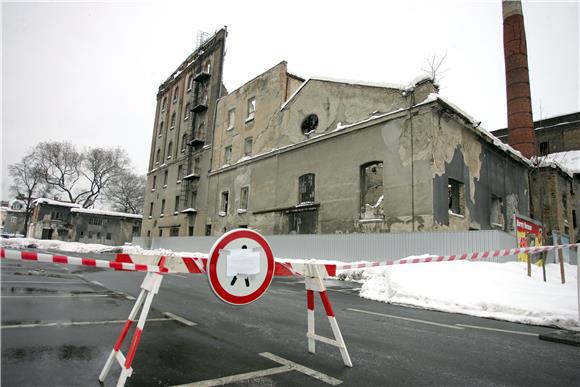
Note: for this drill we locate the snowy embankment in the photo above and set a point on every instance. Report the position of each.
(501, 291)
(494, 290)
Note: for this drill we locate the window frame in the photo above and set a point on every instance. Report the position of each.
(231, 119)
(244, 199)
(302, 183)
(246, 142)
(228, 151)
(251, 109)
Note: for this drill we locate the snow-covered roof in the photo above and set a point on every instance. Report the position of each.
(55, 203)
(568, 162)
(106, 213)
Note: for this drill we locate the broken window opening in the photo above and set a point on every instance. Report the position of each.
(544, 148)
(306, 188)
(225, 201)
(251, 108)
(497, 217)
(372, 190)
(309, 124)
(456, 197)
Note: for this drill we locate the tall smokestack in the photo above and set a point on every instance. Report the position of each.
(521, 134)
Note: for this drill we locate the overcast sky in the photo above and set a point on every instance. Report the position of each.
(89, 72)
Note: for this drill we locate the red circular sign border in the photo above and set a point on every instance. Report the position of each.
(214, 256)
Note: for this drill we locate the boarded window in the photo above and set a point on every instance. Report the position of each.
(372, 190)
(244, 198)
(306, 188)
(248, 142)
(231, 119)
(228, 154)
(497, 212)
(456, 197)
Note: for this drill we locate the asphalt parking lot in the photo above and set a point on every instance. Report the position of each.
(59, 324)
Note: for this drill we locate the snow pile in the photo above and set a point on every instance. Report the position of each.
(47, 244)
(493, 290)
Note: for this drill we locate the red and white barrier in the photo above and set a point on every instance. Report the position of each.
(62, 259)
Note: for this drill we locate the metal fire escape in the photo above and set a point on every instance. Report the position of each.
(196, 139)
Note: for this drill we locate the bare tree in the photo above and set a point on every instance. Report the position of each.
(27, 183)
(434, 66)
(80, 177)
(127, 192)
(100, 167)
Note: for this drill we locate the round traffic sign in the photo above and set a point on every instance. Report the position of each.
(240, 266)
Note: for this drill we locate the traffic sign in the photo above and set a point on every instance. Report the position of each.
(240, 267)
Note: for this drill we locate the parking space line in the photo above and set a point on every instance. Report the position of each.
(405, 318)
(498, 330)
(76, 323)
(180, 319)
(64, 296)
(300, 368)
(43, 282)
(237, 378)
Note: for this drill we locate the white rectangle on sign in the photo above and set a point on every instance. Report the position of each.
(242, 261)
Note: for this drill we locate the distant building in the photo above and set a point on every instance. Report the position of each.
(70, 222)
(12, 216)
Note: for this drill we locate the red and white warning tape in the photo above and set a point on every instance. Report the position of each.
(329, 270)
(62, 259)
(197, 264)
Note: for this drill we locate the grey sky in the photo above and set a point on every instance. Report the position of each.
(88, 72)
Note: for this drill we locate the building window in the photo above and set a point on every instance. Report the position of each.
(158, 156)
(190, 82)
(231, 118)
(306, 188)
(228, 154)
(225, 202)
(544, 148)
(190, 230)
(186, 113)
(456, 197)
(175, 93)
(148, 233)
(309, 124)
(251, 109)
(208, 229)
(244, 198)
(196, 168)
(160, 232)
(151, 209)
(173, 120)
(165, 176)
(193, 199)
(164, 104)
(154, 183)
(371, 189)
(176, 209)
(160, 128)
(162, 207)
(174, 231)
(99, 235)
(201, 131)
(565, 205)
(169, 149)
(497, 212)
(248, 142)
(183, 142)
(179, 173)
(108, 237)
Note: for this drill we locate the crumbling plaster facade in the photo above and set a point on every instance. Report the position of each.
(420, 149)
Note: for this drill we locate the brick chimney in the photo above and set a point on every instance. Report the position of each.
(521, 134)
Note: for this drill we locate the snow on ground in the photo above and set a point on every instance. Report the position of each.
(494, 290)
(484, 289)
